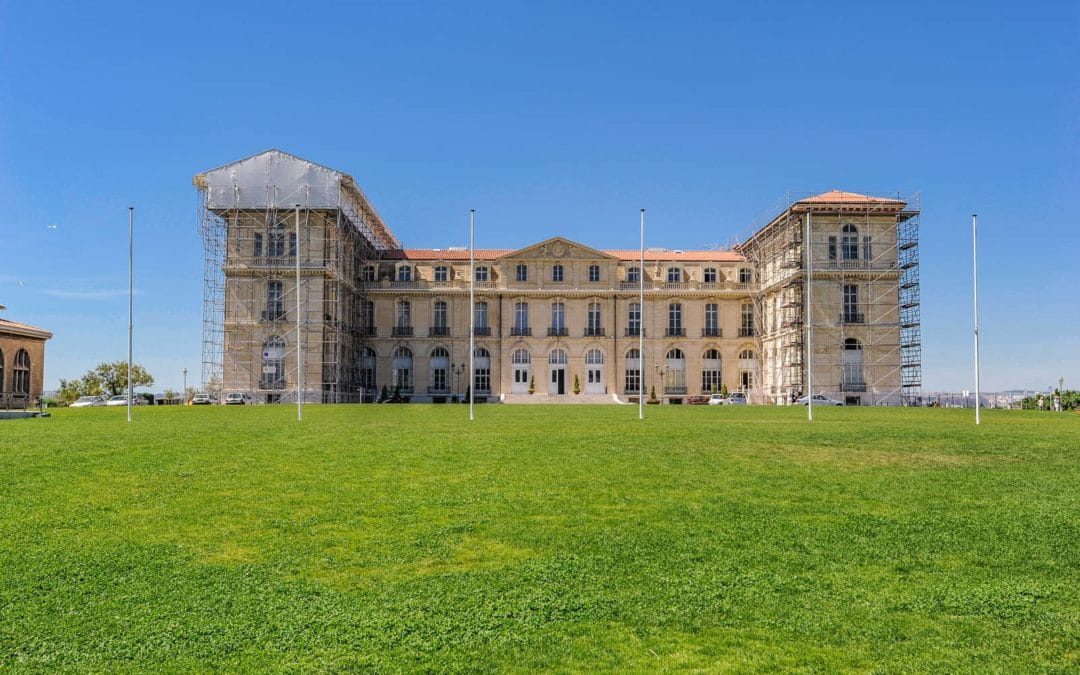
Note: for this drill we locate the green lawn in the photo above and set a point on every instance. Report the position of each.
(562, 537)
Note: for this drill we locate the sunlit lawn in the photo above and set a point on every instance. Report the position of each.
(573, 538)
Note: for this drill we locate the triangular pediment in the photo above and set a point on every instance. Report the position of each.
(558, 248)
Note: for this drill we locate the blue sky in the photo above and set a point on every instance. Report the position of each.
(548, 118)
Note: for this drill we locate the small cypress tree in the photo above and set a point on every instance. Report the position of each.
(532, 384)
(577, 384)
(723, 390)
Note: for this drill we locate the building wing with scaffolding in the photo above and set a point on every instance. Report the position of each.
(284, 240)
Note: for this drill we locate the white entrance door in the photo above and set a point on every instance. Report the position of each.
(557, 372)
(521, 365)
(594, 372)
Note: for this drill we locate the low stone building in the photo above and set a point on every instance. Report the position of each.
(22, 363)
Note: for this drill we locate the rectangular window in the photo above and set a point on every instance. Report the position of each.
(710, 275)
(440, 314)
(633, 275)
(867, 248)
(832, 248)
(275, 243)
(404, 273)
(369, 273)
(522, 273)
(675, 319)
(746, 327)
(633, 380)
(592, 326)
(441, 273)
(633, 319)
(521, 318)
(275, 300)
(258, 246)
(557, 273)
(482, 273)
(404, 314)
(558, 317)
(745, 275)
(674, 275)
(712, 319)
(594, 273)
(292, 244)
(481, 315)
(851, 304)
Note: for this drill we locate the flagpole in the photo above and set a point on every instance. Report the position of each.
(809, 320)
(472, 313)
(299, 341)
(131, 274)
(975, 302)
(641, 325)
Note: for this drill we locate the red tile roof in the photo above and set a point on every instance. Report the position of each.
(628, 255)
(841, 197)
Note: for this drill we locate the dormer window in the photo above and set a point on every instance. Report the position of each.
(404, 273)
(483, 273)
(745, 275)
(709, 276)
(633, 275)
(442, 273)
(674, 275)
(367, 273)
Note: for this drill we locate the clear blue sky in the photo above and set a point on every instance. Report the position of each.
(548, 118)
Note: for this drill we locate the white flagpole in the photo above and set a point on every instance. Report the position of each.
(975, 302)
(472, 313)
(299, 336)
(131, 274)
(809, 320)
(641, 325)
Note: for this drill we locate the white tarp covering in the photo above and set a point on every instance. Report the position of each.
(273, 179)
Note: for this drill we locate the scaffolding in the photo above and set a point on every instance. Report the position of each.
(865, 317)
(284, 313)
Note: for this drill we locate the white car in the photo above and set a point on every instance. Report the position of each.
(737, 398)
(240, 398)
(88, 402)
(716, 399)
(202, 399)
(819, 399)
(122, 399)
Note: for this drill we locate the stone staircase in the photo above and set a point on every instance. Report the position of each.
(566, 399)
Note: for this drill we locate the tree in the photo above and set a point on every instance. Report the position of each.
(169, 394)
(723, 391)
(577, 384)
(532, 384)
(114, 376)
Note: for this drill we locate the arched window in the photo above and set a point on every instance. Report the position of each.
(402, 369)
(594, 356)
(522, 368)
(20, 380)
(367, 368)
(481, 370)
(521, 272)
(440, 370)
(710, 371)
(557, 272)
(852, 378)
(849, 242)
(521, 356)
(557, 357)
(273, 364)
(442, 273)
(675, 375)
(404, 273)
(746, 354)
(747, 367)
(632, 376)
(633, 275)
(709, 276)
(594, 273)
(674, 275)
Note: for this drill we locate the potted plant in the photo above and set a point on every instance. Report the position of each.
(532, 384)
(577, 384)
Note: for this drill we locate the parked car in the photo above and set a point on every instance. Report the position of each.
(122, 399)
(735, 398)
(716, 399)
(819, 399)
(697, 400)
(202, 399)
(239, 398)
(88, 402)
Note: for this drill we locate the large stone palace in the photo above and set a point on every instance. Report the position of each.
(558, 318)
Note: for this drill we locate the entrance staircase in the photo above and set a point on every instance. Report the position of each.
(565, 399)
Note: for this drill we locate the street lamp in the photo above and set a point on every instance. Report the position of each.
(183, 394)
(458, 369)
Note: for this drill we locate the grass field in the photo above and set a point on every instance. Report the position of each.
(563, 537)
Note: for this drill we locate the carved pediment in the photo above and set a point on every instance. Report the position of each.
(558, 248)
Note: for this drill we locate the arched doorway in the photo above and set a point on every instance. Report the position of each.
(557, 370)
(594, 372)
(521, 362)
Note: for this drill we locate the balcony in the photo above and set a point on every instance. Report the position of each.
(520, 331)
(273, 315)
(852, 317)
(746, 331)
(594, 331)
(676, 285)
(482, 331)
(675, 332)
(402, 331)
(437, 331)
(557, 332)
(852, 386)
(712, 332)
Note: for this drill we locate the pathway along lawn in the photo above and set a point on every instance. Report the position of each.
(540, 537)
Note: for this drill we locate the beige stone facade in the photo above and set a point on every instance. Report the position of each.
(22, 364)
(374, 315)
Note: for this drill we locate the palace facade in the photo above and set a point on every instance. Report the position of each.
(308, 290)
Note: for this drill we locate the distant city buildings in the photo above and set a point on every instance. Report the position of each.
(555, 319)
